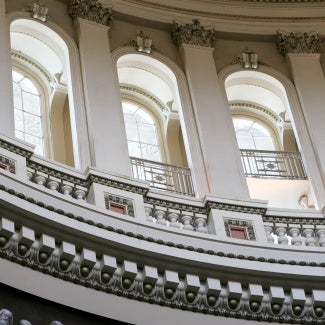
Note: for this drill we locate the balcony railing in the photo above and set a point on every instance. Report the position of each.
(163, 176)
(273, 164)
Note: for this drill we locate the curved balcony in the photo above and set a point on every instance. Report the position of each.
(121, 236)
(273, 164)
(163, 176)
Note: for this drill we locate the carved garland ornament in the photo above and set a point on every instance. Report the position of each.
(107, 275)
(193, 34)
(298, 42)
(91, 10)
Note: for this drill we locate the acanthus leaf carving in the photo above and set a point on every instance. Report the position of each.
(298, 42)
(193, 34)
(91, 10)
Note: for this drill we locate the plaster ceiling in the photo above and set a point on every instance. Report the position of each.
(40, 44)
(147, 73)
(257, 88)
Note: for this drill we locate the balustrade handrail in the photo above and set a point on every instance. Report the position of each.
(163, 176)
(273, 164)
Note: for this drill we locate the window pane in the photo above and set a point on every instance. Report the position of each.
(31, 103)
(150, 152)
(32, 125)
(18, 103)
(252, 135)
(141, 132)
(28, 123)
(242, 124)
(19, 123)
(264, 143)
(19, 135)
(245, 140)
(259, 130)
(144, 117)
(16, 77)
(134, 149)
(148, 133)
(35, 141)
(27, 85)
(131, 128)
(129, 107)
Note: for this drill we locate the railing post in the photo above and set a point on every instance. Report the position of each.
(281, 231)
(268, 226)
(321, 235)
(308, 232)
(294, 231)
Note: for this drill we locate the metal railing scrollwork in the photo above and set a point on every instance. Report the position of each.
(163, 176)
(273, 164)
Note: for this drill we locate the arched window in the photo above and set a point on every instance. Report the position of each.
(28, 113)
(141, 131)
(251, 134)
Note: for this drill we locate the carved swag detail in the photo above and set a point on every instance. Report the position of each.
(91, 10)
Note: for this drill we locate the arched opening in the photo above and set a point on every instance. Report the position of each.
(150, 93)
(266, 138)
(42, 53)
(252, 134)
(152, 84)
(141, 132)
(28, 110)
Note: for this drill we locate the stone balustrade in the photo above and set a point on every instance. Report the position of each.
(176, 218)
(176, 213)
(305, 232)
(58, 182)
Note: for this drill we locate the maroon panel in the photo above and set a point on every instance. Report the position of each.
(238, 232)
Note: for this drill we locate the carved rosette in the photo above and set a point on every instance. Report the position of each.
(193, 34)
(91, 10)
(298, 42)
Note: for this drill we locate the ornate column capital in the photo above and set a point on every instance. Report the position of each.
(193, 34)
(91, 10)
(298, 42)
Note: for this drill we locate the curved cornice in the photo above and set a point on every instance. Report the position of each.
(254, 17)
(29, 61)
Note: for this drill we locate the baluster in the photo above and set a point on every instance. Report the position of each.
(200, 222)
(148, 210)
(53, 183)
(321, 235)
(308, 232)
(268, 227)
(186, 220)
(173, 216)
(160, 216)
(66, 188)
(79, 192)
(294, 231)
(281, 230)
(30, 173)
(40, 178)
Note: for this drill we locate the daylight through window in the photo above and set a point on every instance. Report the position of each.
(141, 131)
(28, 117)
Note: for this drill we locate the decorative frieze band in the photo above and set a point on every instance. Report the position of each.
(298, 42)
(168, 288)
(91, 10)
(193, 34)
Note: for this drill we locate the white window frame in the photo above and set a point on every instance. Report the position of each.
(44, 105)
(159, 130)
